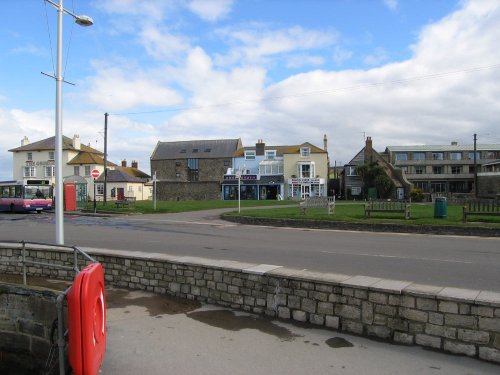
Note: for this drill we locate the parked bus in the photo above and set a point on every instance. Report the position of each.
(23, 196)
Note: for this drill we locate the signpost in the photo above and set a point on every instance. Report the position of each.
(95, 173)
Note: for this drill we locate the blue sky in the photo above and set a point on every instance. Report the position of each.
(401, 71)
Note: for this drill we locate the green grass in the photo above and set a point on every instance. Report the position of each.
(421, 214)
(146, 207)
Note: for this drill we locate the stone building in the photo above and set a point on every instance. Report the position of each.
(192, 169)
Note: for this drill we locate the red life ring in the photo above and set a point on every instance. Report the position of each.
(87, 321)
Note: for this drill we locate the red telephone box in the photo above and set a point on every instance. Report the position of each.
(87, 321)
(69, 196)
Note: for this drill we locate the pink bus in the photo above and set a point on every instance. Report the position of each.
(23, 196)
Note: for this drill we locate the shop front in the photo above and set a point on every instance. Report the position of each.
(301, 188)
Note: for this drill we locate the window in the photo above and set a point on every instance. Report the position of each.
(404, 168)
(422, 185)
(100, 189)
(208, 149)
(130, 189)
(177, 163)
(183, 151)
(195, 150)
(471, 155)
(49, 171)
(30, 156)
(437, 170)
(419, 170)
(456, 169)
(249, 155)
(419, 156)
(306, 171)
(355, 190)
(177, 175)
(193, 164)
(51, 155)
(351, 171)
(76, 170)
(455, 155)
(29, 172)
(401, 156)
(305, 151)
(437, 156)
(226, 163)
(271, 154)
(88, 170)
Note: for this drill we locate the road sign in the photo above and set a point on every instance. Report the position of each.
(95, 173)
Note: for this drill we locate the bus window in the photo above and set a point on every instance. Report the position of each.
(5, 192)
(19, 192)
(12, 190)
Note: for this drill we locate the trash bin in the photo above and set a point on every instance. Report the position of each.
(440, 207)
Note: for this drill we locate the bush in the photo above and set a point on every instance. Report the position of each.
(417, 195)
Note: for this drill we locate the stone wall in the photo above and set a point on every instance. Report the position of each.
(488, 185)
(26, 317)
(453, 320)
(168, 190)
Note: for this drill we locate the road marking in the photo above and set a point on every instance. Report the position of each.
(399, 257)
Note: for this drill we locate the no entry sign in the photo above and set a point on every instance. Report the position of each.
(95, 173)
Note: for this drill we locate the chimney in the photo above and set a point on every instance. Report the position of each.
(25, 141)
(259, 147)
(134, 164)
(325, 143)
(76, 142)
(124, 162)
(368, 150)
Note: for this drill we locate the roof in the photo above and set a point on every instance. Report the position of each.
(201, 149)
(89, 158)
(444, 148)
(133, 172)
(119, 176)
(49, 144)
(282, 150)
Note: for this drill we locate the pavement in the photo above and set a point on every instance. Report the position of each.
(158, 334)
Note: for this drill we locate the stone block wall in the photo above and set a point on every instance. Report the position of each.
(26, 317)
(454, 320)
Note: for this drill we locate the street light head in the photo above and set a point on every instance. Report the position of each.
(84, 20)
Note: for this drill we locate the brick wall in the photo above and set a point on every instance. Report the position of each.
(454, 320)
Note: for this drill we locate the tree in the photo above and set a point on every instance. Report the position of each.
(374, 175)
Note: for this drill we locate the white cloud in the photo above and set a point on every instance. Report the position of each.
(377, 57)
(341, 55)
(210, 10)
(163, 45)
(30, 49)
(391, 4)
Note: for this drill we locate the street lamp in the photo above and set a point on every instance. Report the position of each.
(82, 21)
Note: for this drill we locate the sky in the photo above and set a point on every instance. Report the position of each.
(404, 72)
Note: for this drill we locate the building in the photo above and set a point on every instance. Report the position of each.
(442, 169)
(259, 172)
(123, 182)
(192, 169)
(353, 180)
(36, 160)
(488, 180)
(277, 172)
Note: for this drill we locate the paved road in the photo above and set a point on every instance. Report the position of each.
(465, 262)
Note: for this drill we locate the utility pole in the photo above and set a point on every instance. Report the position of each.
(105, 156)
(475, 166)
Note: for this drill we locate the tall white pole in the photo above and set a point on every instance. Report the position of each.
(59, 141)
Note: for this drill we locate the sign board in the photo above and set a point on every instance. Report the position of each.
(95, 173)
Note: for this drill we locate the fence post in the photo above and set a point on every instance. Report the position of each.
(24, 262)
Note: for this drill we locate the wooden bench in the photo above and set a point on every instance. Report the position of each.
(403, 206)
(318, 202)
(126, 202)
(480, 207)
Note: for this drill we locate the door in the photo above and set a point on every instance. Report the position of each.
(305, 191)
(120, 192)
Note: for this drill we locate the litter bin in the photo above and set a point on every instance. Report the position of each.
(440, 207)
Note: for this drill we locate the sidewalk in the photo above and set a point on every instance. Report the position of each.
(153, 334)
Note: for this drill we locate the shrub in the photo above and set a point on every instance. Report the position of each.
(417, 195)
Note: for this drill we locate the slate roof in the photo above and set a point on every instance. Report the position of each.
(49, 144)
(89, 158)
(200, 149)
(119, 176)
(442, 148)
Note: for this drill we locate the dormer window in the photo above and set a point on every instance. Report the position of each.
(183, 151)
(270, 154)
(250, 155)
(305, 151)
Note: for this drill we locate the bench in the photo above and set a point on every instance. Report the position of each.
(480, 207)
(318, 202)
(403, 206)
(125, 202)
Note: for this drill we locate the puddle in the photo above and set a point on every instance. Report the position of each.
(338, 342)
(155, 304)
(228, 320)
(53, 284)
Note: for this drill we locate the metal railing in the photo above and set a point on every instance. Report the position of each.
(61, 333)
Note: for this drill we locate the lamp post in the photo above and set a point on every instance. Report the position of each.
(82, 21)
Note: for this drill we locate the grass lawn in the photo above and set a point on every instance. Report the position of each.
(354, 212)
(146, 207)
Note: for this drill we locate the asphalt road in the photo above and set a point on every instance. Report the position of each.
(464, 262)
